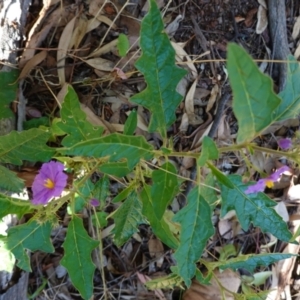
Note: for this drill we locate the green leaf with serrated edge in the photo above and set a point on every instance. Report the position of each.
(14, 206)
(157, 63)
(164, 189)
(123, 44)
(127, 219)
(124, 194)
(207, 190)
(159, 227)
(101, 191)
(26, 145)
(115, 146)
(8, 91)
(73, 117)
(78, 247)
(254, 100)
(290, 106)
(209, 151)
(220, 176)
(196, 229)
(30, 236)
(251, 261)
(131, 123)
(10, 181)
(118, 169)
(256, 208)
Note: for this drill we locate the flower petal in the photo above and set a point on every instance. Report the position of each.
(49, 171)
(94, 202)
(255, 188)
(285, 144)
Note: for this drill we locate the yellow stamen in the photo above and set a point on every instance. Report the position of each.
(49, 184)
(269, 183)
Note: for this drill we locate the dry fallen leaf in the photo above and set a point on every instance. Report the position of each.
(229, 279)
(262, 20)
(296, 28)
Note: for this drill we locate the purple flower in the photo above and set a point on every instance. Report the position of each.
(50, 182)
(285, 144)
(94, 202)
(266, 182)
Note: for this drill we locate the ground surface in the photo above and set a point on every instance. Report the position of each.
(205, 27)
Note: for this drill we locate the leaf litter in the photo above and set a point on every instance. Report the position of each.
(78, 44)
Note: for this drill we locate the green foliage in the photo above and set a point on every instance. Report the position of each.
(209, 151)
(127, 218)
(26, 145)
(159, 226)
(10, 181)
(123, 44)
(131, 123)
(196, 229)
(255, 208)
(251, 261)
(254, 100)
(30, 236)
(147, 190)
(114, 146)
(157, 63)
(290, 105)
(8, 92)
(13, 206)
(78, 247)
(73, 117)
(165, 187)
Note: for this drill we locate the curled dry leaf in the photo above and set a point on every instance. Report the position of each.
(104, 49)
(262, 20)
(189, 106)
(213, 96)
(296, 28)
(63, 47)
(100, 64)
(33, 62)
(181, 56)
(173, 26)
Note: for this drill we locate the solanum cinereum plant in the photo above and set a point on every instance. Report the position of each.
(86, 150)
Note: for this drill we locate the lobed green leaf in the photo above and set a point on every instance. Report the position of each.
(159, 226)
(14, 206)
(10, 181)
(26, 145)
(78, 247)
(196, 229)
(74, 123)
(30, 236)
(157, 63)
(114, 146)
(251, 261)
(127, 219)
(254, 100)
(290, 106)
(255, 208)
(164, 189)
